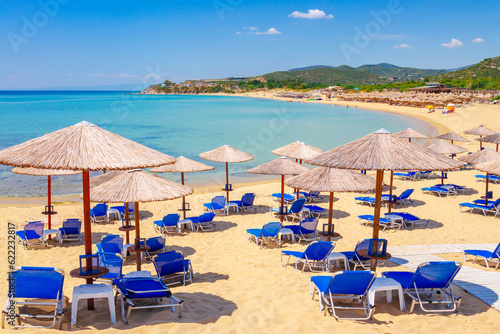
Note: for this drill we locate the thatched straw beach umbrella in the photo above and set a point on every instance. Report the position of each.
(138, 186)
(49, 173)
(281, 166)
(410, 133)
(480, 131)
(226, 154)
(183, 165)
(443, 147)
(480, 157)
(494, 139)
(490, 167)
(83, 147)
(452, 136)
(332, 180)
(381, 151)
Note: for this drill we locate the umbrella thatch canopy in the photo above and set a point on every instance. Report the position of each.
(381, 151)
(84, 147)
(281, 166)
(480, 130)
(182, 165)
(297, 150)
(491, 167)
(452, 136)
(410, 133)
(494, 139)
(138, 186)
(49, 173)
(226, 154)
(332, 180)
(97, 180)
(443, 147)
(478, 157)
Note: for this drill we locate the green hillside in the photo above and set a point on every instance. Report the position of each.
(330, 76)
(483, 75)
(400, 74)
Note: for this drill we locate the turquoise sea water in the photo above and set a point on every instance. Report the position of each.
(183, 125)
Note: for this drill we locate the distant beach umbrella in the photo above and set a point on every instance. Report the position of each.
(105, 177)
(481, 157)
(281, 166)
(381, 151)
(137, 186)
(494, 139)
(83, 147)
(182, 165)
(226, 154)
(443, 147)
(410, 133)
(480, 131)
(452, 136)
(49, 173)
(297, 150)
(332, 180)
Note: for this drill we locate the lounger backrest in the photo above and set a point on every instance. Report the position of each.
(437, 275)
(155, 243)
(171, 219)
(100, 210)
(496, 252)
(143, 287)
(407, 216)
(496, 203)
(247, 199)
(405, 194)
(111, 261)
(270, 230)
(218, 202)
(318, 250)
(351, 282)
(206, 217)
(308, 225)
(37, 282)
(362, 244)
(72, 226)
(297, 205)
(33, 230)
(112, 244)
(169, 263)
(314, 193)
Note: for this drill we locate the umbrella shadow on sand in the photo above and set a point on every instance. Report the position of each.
(223, 225)
(209, 277)
(186, 251)
(337, 214)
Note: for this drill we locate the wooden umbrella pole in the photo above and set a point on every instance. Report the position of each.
(330, 215)
(137, 233)
(87, 228)
(183, 198)
(127, 223)
(480, 143)
(376, 220)
(487, 183)
(390, 191)
(227, 183)
(49, 200)
(497, 147)
(282, 197)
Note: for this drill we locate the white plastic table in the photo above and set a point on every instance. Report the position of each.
(185, 223)
(113, 212)
(93, 291)
(336, 258)
(233, 206)
(286, 233)
(388, 285)
(50, 232)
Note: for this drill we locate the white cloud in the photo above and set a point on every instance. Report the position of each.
(124, 75)
(154, 76)
(270, 31)
(478, 40)
(238, 33)
(403, 46)
(455, 43)
(251, 28)
(311, 14)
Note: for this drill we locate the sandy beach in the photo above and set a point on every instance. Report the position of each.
(241, 288)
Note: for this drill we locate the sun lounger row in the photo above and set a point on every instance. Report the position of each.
(270, 232)
(309, 196)
(396, 220)
(481, 206)
(415, 175)
(33, 234)
(491, 177)
(403, 199)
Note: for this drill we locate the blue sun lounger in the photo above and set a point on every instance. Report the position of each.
(246, 202)
(156, 245)
(71, 230)
(172, 266)
(408, 176)
(218, 203)
(314, 256)
(315, 210)
(268, 234)
(384, 222)
(357, 259)
(431, 279)
(408, 218)
(287, 198)
(493, 207)
(205, 222)
(306, 230)
(488, 256)
(491, 177)
(365, 200)
(168, 224)
(31, 235)
(147, 288)
(348, 286)
(34, 287)
(99, 213)
(440, 191)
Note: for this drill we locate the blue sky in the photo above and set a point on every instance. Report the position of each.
(54, 43)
